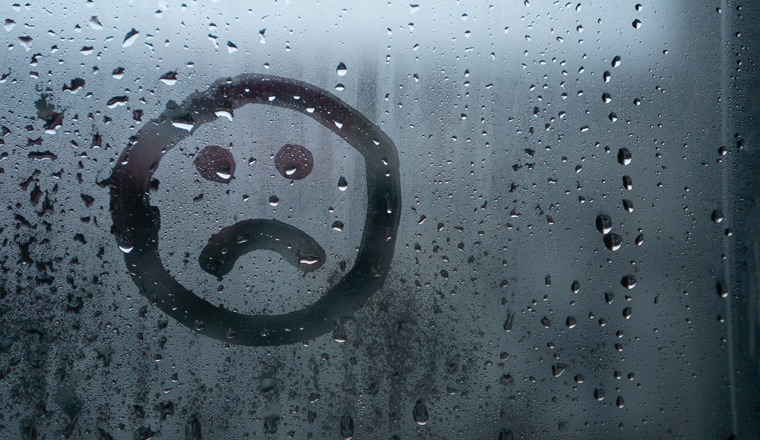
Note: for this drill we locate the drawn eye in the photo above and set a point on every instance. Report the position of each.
(216, 164)
(294, 161)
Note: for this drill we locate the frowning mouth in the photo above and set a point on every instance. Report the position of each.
(295, 246)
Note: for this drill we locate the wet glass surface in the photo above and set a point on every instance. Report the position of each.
(443, 220)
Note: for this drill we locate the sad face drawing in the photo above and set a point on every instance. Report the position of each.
(136, 222)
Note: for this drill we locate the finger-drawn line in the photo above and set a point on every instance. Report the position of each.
(136, 222)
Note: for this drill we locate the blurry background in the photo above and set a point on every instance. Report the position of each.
(577, 255)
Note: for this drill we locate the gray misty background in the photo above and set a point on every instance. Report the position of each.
(505, 313)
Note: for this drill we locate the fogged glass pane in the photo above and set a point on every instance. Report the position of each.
(459, 220)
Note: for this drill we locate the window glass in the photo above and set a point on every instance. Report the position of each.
(459, 220)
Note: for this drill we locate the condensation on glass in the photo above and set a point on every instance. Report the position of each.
(459, 220)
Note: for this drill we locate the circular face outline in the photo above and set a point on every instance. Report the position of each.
(136, 222)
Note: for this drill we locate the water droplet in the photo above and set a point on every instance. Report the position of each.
(224, 173)
(169, 78)
(342, 183)
(609, 297)
(342, 69)
(346, 427)
(717, 216)
(9, 24)
(130, 38)
(274, 200)
(571, 322)
(628, 281)
(26, 42)
(620, 402)
(624, 156)
(507, 379)
(117, 101)
(603, 223)
(76, 85)
(606, 76)
(613, 241)
(270, 424)
(628, 205)
(636, 23)
(338, 225)
(616, 61)
(420, 413)
(546, 322)
(118, 73)
(606, 97)
(183, 124)
(599, 394)
(627, 183)
(339, 332)
(722, 290)
(558, 369)
(576, 286)
(226, 113)
(126, 248)
(95, 23)
(627, 312)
